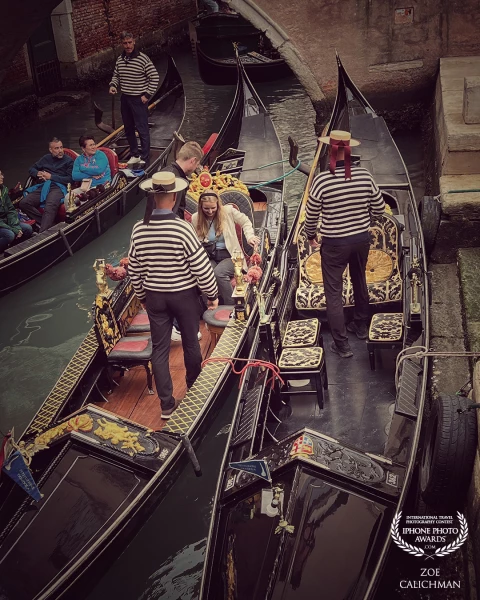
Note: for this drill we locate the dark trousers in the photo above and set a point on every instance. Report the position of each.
(135, 115)
(162, 308)
(29, 205)
(334, 262)
(223, 269)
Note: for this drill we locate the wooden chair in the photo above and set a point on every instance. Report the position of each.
(216, 321)
(121, 352)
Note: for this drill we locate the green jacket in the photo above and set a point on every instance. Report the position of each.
(8, 213)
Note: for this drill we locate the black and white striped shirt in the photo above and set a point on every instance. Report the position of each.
(167, 256)
(345, 205)
(135, 75)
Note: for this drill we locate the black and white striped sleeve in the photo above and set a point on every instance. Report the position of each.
(153, 78)
(376, 201)
(135, 271)
(115, 82)
(313, 209)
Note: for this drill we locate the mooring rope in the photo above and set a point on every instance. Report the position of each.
(250, 363)
(423, 351)
(284, 176)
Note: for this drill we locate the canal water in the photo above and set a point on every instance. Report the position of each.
(43, 323)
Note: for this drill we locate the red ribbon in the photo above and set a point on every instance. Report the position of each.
(335, 145)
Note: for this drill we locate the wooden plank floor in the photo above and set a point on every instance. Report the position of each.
(131, 400)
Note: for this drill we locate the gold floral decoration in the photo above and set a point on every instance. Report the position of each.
(116, 434)
(220, 183)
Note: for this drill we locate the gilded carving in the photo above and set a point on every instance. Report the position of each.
(116, 434)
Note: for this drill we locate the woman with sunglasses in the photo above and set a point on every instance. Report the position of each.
(215, 227)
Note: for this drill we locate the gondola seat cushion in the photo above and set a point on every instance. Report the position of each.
(300, 358)
(218, 317)
(386, 327)
(301, 334)
(384, 281)
(140, 323)
(131, 349)
(112, 159)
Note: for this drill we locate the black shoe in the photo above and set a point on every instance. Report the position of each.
(344, 352)
(166, 414)
(359, 329)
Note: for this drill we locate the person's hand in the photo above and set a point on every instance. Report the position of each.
(97, 176)
(212, 304)
(17, 187)
(40, 175)
(112, 90)
(254, 240)
(19, 234)
(314, 244)
(144, 304)
(44, 175)
(144, 99)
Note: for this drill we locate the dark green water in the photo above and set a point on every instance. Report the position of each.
(44, 322)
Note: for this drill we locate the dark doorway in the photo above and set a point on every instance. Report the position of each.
(44, 60)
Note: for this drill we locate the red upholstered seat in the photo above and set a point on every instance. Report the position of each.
(71, 153)
(112, 159)
(131, 348)
(140, 323)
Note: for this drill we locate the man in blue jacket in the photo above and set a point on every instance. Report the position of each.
(54, 170)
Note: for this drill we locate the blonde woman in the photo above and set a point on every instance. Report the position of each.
(215, 227)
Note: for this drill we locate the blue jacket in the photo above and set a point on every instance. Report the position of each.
(59, 168)
(89, 166)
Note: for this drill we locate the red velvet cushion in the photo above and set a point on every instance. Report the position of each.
(131, 345)
(112, 160)
(140, 319)
(71, 153)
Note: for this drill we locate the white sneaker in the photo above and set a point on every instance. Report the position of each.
(176, 335)
(133, 161)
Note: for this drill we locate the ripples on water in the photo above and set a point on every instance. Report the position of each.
(44, 322)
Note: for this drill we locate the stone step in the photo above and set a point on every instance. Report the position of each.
(448, 374)
(469, 271)
(465, 203)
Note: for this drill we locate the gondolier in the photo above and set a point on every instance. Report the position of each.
(166, 264)
(346, 197)
(138, 80)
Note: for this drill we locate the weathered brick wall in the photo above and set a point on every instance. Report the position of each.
(140, 18)
(17, 73)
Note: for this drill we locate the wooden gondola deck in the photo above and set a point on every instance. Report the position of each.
(131, 400)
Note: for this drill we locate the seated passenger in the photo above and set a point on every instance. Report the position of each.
(11, 228)
(215, 226)
(54, 170)
(92, 164)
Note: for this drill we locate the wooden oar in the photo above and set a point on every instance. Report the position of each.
(309, 183)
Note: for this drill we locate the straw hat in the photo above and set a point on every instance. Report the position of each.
(164, 182)
(340, 136)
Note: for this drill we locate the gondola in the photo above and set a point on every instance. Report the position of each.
(212, 38)
(79, 225)
(215, 70)
(336, 444)
(102, 468)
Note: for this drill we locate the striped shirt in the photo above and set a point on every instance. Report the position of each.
(344, 205)
(135, 75)
(167, 256)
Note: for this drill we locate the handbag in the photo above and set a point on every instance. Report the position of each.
(210, 248)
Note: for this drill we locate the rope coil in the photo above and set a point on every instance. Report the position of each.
(250, 363)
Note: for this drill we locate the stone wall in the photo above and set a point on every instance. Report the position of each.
(384, 49)
(17, 81)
